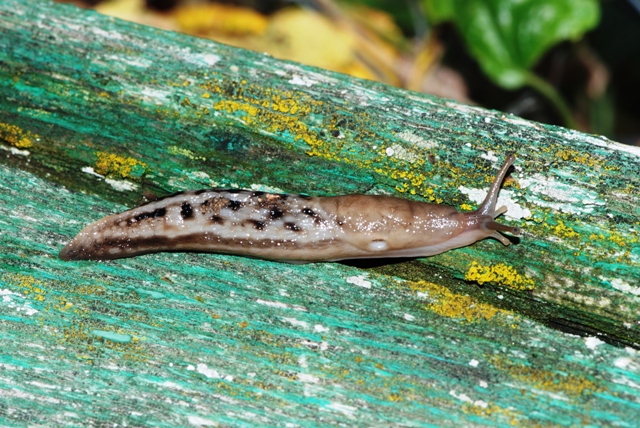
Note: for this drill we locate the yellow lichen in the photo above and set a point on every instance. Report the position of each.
(284, 105)
(454, 305)
(89, 346)
(570, 384)
(576, 156)
(563, 231)
(395, 397)
(594, 237)
(31, 287)
(78, 333)
(110, 164)
(500, 274)
(175, 150)
(277, 111)
(460, 306)
(616, 238)
(16, 136)
(490, 410)
(234, 106)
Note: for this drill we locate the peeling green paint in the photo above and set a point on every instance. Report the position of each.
(286, 343)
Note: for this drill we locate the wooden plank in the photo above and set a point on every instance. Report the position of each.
(94, 111)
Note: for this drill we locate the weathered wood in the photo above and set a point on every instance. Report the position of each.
(108, 109)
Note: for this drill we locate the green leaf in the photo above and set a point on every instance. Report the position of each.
(507, 37)
(439, 10)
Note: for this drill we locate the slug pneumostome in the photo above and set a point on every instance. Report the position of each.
(291, 228)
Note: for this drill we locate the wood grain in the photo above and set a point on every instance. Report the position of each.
(95, 112)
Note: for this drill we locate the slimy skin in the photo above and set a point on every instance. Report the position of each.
(290, 228)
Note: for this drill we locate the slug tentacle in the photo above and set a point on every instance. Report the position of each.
(488, 206)
(487, 212)
(494, 225)
(291, 228)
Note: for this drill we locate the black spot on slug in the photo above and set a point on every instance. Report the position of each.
(160, 212)
(292, 226)
(217, 219)
(311, 213)
(234, 205)
(186, 211)
(257, 224)
(257, 194)
(275, 213)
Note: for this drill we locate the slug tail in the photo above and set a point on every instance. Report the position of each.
(488, 206)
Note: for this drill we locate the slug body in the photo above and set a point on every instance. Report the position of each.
(290, 228)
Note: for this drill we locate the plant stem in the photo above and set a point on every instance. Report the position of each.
(554, 97)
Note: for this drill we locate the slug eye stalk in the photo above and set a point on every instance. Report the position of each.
(488, 206)
(487, 211)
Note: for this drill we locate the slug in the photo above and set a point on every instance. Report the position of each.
(290, 228)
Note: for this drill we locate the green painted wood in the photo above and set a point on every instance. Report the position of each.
(94, 112)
